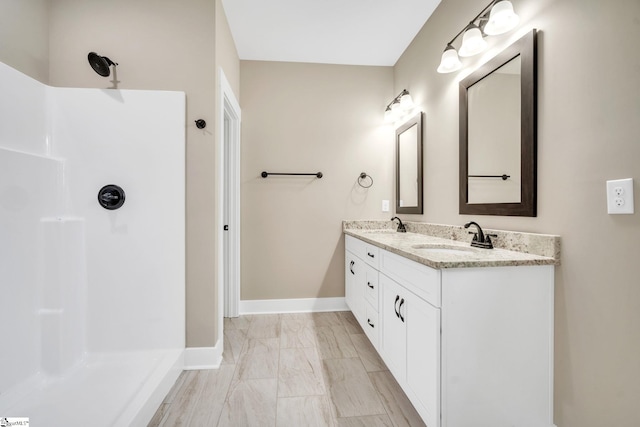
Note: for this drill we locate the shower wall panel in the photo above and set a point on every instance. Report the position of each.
(135, 254)
(78, 281)
(29, 189)
(62, 311)
(23, 106)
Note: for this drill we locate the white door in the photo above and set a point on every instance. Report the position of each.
(228, 201)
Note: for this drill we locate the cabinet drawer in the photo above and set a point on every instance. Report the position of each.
(371, 255)
(419, 279)
(371, 286)
(354, 245)
(365, 251)
(371, 327)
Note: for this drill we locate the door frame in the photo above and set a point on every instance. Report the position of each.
(228, 160)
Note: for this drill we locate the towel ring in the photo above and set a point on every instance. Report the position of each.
(363, 176)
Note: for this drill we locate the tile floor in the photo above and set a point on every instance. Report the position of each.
(291, 370)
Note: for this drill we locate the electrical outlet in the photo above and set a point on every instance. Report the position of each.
(620, 196)
(385, 206)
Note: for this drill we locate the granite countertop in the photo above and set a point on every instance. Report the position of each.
(444, 246)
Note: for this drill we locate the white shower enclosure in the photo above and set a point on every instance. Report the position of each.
(92, 301)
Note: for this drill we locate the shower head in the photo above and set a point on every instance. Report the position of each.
(101, 64)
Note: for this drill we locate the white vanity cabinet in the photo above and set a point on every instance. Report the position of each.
(469, 346)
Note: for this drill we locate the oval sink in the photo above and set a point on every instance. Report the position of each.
(444, 249)
(384, 231)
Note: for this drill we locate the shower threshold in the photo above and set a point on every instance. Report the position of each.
(106, 389)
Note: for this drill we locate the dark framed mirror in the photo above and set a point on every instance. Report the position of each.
(498, 133)
(409, 166)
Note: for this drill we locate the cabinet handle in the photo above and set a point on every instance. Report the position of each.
(370, 324)
(370, 254)
(395, 305)
(370, 285)
(400, 308)
(351, 267)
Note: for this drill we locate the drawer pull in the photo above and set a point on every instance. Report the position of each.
(370, 324)
(351, 267)
(395, 305)
(370, 285)
(399, 310)
(370, 254)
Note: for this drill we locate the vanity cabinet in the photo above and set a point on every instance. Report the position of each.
(469, 346)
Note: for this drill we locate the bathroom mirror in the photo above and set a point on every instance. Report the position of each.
(498, 134)
(409, 166)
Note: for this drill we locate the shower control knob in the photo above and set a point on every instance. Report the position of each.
(111, 197)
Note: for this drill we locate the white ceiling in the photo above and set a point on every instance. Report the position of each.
(353, 32)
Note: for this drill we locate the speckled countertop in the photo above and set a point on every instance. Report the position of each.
(448, 246)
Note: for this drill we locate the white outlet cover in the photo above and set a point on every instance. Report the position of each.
(385, 206)
(620, 196)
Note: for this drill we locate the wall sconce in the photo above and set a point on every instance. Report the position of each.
(400, 106)
(496, 18)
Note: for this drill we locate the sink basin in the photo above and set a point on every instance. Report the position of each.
(444, 249)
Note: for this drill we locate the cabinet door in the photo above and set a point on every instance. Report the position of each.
(354, 292)
(394, 332)
(372, 325)
(423, 357)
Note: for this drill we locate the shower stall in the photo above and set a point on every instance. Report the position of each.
(92, 297)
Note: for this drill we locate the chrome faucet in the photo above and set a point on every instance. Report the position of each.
(401, 228)
(480, 240)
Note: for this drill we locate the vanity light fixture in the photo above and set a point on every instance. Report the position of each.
(496, 18)
(398, 107)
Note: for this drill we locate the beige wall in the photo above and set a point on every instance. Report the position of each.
(24, 36)
(160, 45)
(309, 118)
(588, 127)
(226, 52)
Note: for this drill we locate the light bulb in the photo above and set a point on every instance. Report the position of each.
(450, 61)
(501, 19)
(388, 115)
(406, 102)
(395, 109)
(472, 41)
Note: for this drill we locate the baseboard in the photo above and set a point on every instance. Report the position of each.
(196, 358)
(299, 305)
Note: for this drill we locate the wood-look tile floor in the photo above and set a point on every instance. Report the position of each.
(290, 370)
